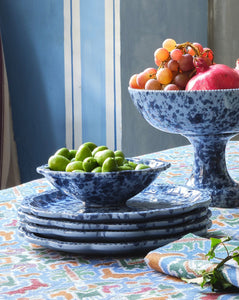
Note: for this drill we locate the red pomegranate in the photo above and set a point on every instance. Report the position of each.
(213, 77)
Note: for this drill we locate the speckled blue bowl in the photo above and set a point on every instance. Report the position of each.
(208, 119)
(190, 112)
(104, 189)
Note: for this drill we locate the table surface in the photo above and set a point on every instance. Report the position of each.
(28, 271)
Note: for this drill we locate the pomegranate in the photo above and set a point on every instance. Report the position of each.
(213, 77)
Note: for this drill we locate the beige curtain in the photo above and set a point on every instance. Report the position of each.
(9, 170)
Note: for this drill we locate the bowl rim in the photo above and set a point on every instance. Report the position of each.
(182, 91)
(162, 167)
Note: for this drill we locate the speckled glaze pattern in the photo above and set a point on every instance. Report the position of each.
(157, 215)
(114, 225)
(96, 248)
(210, 170)
(104, 189)
(208, 119)
(159, 201)
(190, 112)
(74, 235)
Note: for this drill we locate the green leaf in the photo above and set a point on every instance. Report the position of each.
(206, 277)
(236, 249)
(235, 256)
(218, 282)
(215, 277)
(197, 280)
(214, 244)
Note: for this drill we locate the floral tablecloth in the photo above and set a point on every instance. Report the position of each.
(28, 271)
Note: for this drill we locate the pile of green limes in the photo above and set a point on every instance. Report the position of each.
(91, 158)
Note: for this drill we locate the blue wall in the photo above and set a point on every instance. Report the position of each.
(145, 24)
(33, 40)
(32, 33)
(92, 22)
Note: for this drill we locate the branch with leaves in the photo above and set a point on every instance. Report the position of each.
(215, 277)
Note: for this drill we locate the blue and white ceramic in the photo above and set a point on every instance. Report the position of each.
(115, 236)
(106, 188)
(208, 119)
(100, 248)
(154, 203)
(193, 215)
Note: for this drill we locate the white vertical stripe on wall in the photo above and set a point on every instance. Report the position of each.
(72, 57)
(118, 108)
(68, 73)
(109, 74)
(76, 52)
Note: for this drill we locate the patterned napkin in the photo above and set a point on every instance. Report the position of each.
(186, 257)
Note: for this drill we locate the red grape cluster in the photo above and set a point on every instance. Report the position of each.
(176, 65)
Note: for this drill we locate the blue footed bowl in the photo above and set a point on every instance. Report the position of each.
(208, 119)
(106, 188)
(190, 112)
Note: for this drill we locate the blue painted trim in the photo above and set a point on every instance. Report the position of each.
(72, 82)
(115, 126)
(92, 18)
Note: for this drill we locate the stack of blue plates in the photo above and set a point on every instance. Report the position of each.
(153, 218)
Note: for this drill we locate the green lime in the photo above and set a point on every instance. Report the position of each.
(125, 168)
(83, 152)
(64, 152)
(119, 153)
(141, 167)
(132, 164)
(97, 149)
(78, 171)
(74, 165)
(119, 160)
(89, 163)
(109, 165)
(58, 162)
(91, 145)
(97, 170)
(72, 153)
(73, 159)
(102, 155)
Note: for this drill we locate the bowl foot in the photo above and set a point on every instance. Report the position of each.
(226, 197)
(210, 172)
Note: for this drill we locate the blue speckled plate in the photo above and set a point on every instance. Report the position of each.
(158, 201)
(97, 248)
(162, 222)
(114, 236)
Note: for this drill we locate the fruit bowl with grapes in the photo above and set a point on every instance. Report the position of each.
(189, 94)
